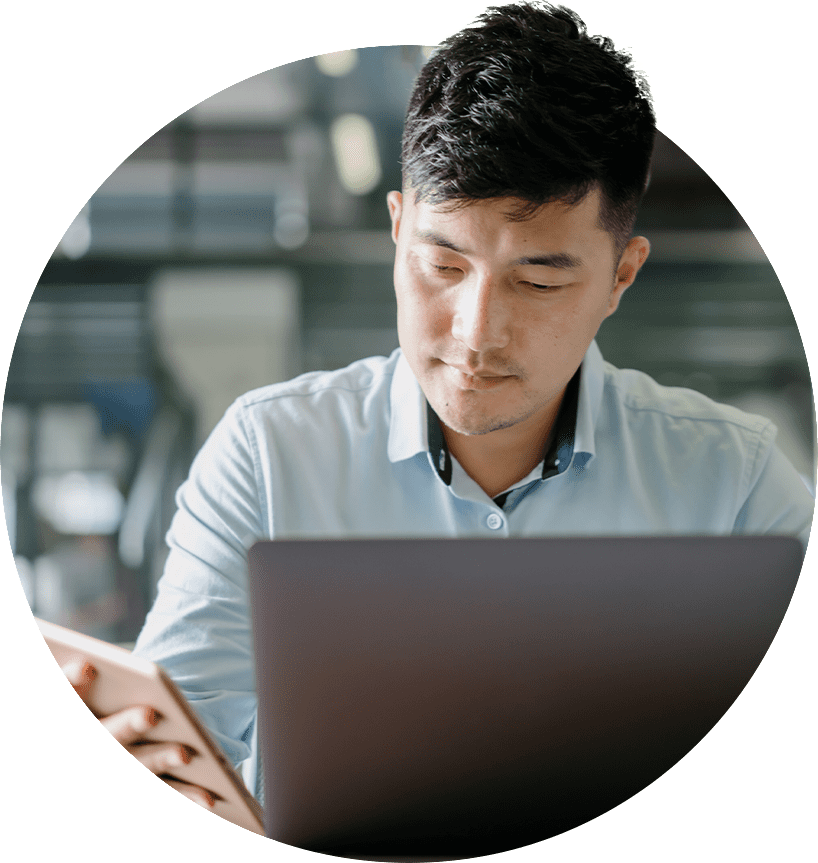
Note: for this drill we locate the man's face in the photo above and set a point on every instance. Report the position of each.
(495, 316)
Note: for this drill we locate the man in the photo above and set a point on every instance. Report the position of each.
(526, 152)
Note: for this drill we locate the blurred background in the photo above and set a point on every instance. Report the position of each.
(248, 241)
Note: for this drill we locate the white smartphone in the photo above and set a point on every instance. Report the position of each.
(124, 680)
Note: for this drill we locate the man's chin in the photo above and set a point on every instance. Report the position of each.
(470, 412)
(474, 425)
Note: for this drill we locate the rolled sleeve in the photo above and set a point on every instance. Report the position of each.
(198, 628)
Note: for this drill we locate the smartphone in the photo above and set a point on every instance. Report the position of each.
(124, 680)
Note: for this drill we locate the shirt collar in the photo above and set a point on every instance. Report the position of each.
(589, 403)
(407, 415)
(414, 428)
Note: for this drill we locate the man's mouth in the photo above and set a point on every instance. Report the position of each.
(477, 378)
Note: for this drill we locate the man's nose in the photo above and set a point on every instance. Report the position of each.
(482, 317)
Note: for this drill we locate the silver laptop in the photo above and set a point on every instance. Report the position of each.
(443, 699)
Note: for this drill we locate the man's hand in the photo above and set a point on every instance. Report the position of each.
(128, 727)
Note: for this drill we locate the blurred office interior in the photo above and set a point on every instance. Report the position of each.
(248, 241)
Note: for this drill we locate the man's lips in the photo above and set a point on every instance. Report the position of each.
(473, 371)
(479, 378)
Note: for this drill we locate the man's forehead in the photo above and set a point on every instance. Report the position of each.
(559, 235)
(440, 223)
(513, 210)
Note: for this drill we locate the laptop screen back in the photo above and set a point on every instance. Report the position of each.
(462, 697)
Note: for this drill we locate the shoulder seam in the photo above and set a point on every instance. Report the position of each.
(757, 425)
(245, 402)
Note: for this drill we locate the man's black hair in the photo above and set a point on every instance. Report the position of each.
(525, 104)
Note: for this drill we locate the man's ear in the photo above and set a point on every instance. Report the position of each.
(635, 254)
(394, 200)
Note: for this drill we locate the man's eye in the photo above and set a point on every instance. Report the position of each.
(542, 287)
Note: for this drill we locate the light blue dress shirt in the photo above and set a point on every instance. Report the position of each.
(346, 454)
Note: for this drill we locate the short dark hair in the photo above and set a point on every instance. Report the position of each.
(525, 104)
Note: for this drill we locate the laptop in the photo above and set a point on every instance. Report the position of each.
(448, 698)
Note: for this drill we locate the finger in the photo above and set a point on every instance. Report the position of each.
(129, 725)
(81, 675)
(162, 757)
(194, 792)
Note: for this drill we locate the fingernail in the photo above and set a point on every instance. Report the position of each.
(143, 721)
(180, 756)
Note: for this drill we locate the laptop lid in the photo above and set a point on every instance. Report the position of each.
(456, 697)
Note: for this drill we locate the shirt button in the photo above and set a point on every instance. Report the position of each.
(494, 521)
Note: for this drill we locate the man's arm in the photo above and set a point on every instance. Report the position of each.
(198, 629)
(778, 500)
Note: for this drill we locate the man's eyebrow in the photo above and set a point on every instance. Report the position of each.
(556, 261)
(436, 239)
